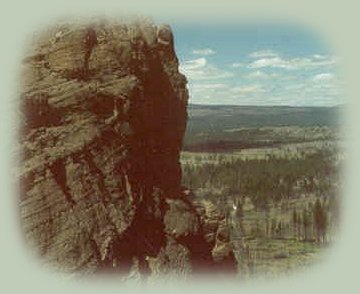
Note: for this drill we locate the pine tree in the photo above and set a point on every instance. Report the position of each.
(295, 222)
(305, 220)
(320, 221)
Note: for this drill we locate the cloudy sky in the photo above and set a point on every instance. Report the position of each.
(257, 65)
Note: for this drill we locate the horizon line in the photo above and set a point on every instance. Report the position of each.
(273, 105)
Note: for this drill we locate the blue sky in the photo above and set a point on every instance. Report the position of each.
(257, 65)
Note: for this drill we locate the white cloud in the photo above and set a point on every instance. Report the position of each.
(226, 93)
(319, 56)
(261, 84)
(214, 86)
(258, 74)
(204, 51)
(194, 64)
(200, 70)
(323, 77)
(303, 92)
(263, 53)
(237, 64)
(241, 90)
(292, 63)
(275, 62)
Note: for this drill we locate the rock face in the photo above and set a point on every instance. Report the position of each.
(103, 117)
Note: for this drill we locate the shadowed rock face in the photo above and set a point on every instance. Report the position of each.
(103, 117)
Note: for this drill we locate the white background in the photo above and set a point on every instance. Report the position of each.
(336, 21)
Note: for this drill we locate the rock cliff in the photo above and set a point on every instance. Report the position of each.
(103, 118)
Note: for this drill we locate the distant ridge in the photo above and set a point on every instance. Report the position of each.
(262, 106)
(232, 116)
(221, 125)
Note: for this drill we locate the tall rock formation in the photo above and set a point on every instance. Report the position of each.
(103, 118)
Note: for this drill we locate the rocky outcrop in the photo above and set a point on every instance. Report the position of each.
(216, 231)
(103, 118)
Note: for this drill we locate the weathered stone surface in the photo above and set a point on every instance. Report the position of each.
(215, 229)
(104, 114)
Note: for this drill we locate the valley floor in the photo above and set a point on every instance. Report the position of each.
(281, 202)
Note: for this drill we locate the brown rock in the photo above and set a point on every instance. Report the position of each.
(104, 114)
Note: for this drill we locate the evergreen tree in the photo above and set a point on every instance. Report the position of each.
(320, 220)
(306, 221)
